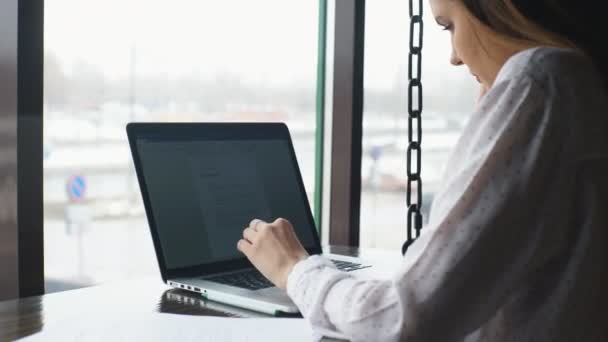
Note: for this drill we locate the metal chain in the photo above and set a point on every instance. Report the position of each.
(414, 148)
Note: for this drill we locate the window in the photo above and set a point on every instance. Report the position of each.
(449, 95)
(113, 61)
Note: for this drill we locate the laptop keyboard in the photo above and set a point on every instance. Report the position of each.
(250, 280)
(254, 280)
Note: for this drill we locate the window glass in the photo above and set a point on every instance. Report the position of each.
(110, 62)
(449, 95)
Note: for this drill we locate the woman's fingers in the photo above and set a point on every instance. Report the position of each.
(255, 223)
(249, 234)
(273, 248)
(244, 246)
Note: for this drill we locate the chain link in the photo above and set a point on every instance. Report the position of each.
(414, 148)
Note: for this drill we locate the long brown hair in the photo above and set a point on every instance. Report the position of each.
(563, 23)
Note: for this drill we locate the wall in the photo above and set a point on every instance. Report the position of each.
(8, 150)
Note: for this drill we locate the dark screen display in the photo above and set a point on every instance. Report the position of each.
(204, 193)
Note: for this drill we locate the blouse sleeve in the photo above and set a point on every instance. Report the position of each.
(485, 239)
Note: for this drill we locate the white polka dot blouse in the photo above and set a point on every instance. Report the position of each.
(517, 239)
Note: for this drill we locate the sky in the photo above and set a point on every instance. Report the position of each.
(264, 42)
(260, 40)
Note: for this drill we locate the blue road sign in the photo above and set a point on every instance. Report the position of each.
(76, 187)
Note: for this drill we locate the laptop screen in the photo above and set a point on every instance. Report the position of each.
(203, 193)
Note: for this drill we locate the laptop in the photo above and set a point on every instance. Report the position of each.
(202, 183)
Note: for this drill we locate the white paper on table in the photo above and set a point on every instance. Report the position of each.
(172, 327)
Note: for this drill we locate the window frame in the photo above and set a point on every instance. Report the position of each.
(343, 204)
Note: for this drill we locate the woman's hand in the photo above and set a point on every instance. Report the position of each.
(273, 248)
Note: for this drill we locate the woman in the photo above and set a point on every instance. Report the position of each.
(515, 248)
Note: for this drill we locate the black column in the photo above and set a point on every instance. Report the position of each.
(21, 219)
(347, 126)
(29, 147)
